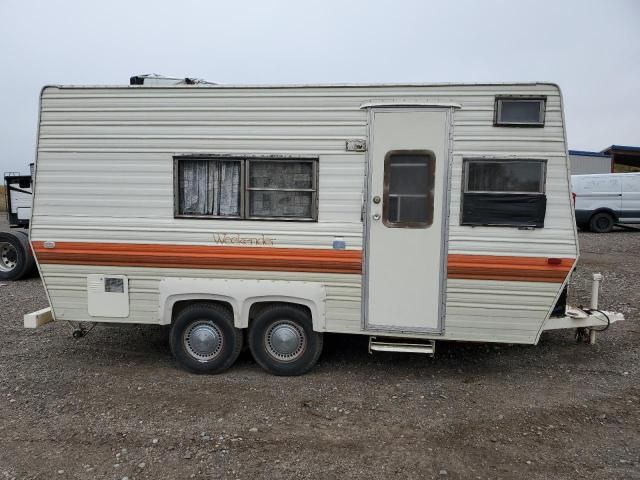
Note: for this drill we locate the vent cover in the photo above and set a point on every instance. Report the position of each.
(108, 296)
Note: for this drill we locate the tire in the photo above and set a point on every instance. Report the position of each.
(601, 222)
(31, 259)
(204, 340)
(16, 257)
(282, 340)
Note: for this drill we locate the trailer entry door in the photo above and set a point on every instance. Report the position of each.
(406, 220)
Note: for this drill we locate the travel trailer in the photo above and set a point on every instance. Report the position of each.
(269, 215)
(604, 200)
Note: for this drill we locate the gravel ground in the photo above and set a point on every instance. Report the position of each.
(114, 404)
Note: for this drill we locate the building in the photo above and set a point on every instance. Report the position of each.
(583, 162)
(616, 158)
(623, 158)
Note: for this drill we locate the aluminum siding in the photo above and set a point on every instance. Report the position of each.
(104, 173)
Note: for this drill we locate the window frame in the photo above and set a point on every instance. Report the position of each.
(244, 183)
(465, 190)
(313, 190)
(465, 174)
(386, 195)
(497, 110)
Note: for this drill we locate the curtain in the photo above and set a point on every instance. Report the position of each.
(194, 188)
(226, 200)
(209, 187)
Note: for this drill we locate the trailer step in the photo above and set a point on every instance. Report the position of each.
(427, 347)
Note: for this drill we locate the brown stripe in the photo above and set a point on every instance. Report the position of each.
(474, 267)
(204, 257)
(525, 269)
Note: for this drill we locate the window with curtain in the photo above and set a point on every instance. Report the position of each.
(252, 188)
(209, 188)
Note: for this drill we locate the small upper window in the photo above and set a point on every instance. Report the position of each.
(519, 111)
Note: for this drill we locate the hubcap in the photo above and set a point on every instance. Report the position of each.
(603, 222)
(203, 340)
(285, 341)
(8, 257)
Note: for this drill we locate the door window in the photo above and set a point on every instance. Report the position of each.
(408, 189)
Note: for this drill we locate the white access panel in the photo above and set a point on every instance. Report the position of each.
(405, 268)
(108, 296)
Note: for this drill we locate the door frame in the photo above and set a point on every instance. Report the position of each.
(445, 212)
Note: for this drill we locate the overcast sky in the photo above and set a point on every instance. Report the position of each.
(591, 48)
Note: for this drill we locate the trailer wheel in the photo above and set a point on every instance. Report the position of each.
(601, 222)
(16, 257)
(282, 340)
(204, 340)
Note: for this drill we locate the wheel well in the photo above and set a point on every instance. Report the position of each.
(604, 210)
(257, 307)
(180, 305)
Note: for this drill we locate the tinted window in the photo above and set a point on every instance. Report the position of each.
(504, 193)
(505, 176)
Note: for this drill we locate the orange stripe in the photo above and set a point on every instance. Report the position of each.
(474, 267)
(204, 257)
(527, 269)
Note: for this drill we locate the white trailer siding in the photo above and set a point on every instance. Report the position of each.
(105, 174)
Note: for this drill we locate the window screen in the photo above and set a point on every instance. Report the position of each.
(504, 192)
(246, 188)
(281, 189)
(408, 189)
(520, 111)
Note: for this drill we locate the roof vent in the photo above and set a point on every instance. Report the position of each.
(155, 80)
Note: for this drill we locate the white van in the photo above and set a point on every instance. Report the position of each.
(602, 200)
